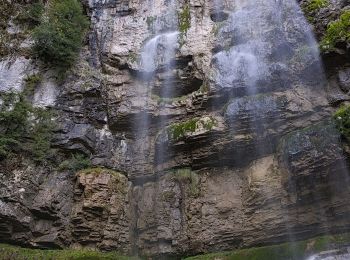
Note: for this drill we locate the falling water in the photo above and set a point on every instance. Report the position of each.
(157, 55)
(158, 58)
(258, 49)
(264, 35)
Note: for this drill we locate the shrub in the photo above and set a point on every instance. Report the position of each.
(342, 120)
(188, 177)
(41, 135)
(337, 32)
(76, 163)
(179, 130)
(23, 128)
(31, 83)
(14, 113)
(315, 5)
(31, 15)
(184, 22)
(57, 40)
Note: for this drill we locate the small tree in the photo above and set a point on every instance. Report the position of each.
(59, 37)
(24, 129)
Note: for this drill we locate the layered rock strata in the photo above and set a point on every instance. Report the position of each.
(239, 169)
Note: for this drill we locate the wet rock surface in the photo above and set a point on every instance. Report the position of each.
(215, 167)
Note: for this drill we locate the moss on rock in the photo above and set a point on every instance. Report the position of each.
(180, 130)
(314, 5)
(337, 32)
(189, 178)
(342, 120)
(184, 22)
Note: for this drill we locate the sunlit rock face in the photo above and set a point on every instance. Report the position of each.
(218, 133)
(13, 73)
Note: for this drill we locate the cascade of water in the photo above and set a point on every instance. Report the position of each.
(264, 36)
(260, 48)
(157, 58)
(159, 52)
(157, 55)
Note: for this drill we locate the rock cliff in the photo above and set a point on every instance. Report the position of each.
(216, 167)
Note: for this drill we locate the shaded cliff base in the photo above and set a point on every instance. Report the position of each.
(311, 249)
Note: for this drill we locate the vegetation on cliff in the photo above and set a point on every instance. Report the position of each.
(184, 22)
(315, 5)
(59, 36)
(75, 163)
(179, 130)
(189, 178)
(337, 32)
(342, 119)
(24, 128)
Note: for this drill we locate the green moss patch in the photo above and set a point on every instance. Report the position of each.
(75, 163)
(31, 83)
(180, 130)
(18, 253)
(337, 32)
(184, 22)
(315, 5)
(296, 251)
(58, 38)
(189, 178)
(24, 128)
(342, 120)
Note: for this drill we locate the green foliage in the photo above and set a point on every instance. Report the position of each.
(31, 14)
(24, 129)
(337, 32)
(292, 251)
(342, 120)
(18, 253)
(58, 39)
(188, 177)
(26, 14)
(184, 22)
(41, 135)
(150, 21)
(14, 113)
(314, 5)
(7, 10)
(76, 163)
(180, 130)
(31, 83)
(176, 131)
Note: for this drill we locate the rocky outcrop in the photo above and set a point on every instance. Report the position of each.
(35, 204)
(100, 214)
(213, 166)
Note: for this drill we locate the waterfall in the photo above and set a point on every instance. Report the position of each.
(258, 51)
(157, 61)
(264, 35)
(259, 48)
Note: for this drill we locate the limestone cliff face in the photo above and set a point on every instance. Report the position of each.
(224, 184)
